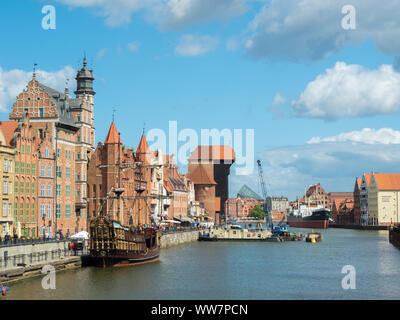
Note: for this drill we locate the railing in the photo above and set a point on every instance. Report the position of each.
(22, 260)
(21, 241)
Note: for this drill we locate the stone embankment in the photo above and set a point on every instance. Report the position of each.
(25, 260)
(173, 239)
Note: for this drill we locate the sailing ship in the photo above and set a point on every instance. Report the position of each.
(115, 244)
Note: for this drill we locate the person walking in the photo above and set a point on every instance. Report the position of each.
(72, 246)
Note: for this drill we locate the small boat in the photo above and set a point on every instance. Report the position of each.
(4, 289)
(314, 237)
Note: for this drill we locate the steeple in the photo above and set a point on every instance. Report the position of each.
(113, 136)
(84, 80)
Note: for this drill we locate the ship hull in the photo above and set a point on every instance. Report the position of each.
(315, 224)
(125, 259)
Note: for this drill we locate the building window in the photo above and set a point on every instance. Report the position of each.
(16, 212)
(5, 165)
(16, 187)
(22, 167)
(67, 211)
(23, 149)
(33, 169)
(42, 171)
(42, 211)
(21, 187)
(46, 153)
(58, 211)
(42, 230)
(67, 191)
(33, 212)
(33, 188)
(5, 187)
(49, 191)
(49, 171)
(5, 208)
(27, 212)
(16, 167)
(42, 190)
(58, 153)
(58, 190)
(58, 172)
(48, 211)
(68, 173)
(28, 149)
(21, 212)
(41, 112)
(28, 168)
(27, 187)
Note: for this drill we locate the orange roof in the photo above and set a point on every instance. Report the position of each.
(8, 128)
(143, 146)
(113, 136)
(387, 181)
(225, 153)
(368, 178)
(200, 176)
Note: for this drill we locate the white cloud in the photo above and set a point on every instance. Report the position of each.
(312, 29)
(100, 54)
(334, 162)
(167, 14)
(12, 82)
(195, 45)
(366, 135)
(134, 46)
(278, 99)
(350, 91)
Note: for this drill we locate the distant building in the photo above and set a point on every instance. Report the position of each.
(7, 158)
(357, 201)
(383, 199)
(315, 196)
(278, 204)
(365, 181)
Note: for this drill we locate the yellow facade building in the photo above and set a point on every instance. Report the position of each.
(7, 156)
(384, 199)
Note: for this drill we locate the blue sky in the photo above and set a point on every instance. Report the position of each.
(222, 64)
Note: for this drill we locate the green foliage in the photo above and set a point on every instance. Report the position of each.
(257, 212)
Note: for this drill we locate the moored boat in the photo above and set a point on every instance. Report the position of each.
(114, 245)
(318, 220)
(314, 237)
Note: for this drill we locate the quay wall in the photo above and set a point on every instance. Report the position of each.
(394, 237)
(357, 227)
(20, 261)
(173, 239)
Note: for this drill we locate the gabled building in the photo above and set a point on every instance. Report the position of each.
(70, 126)
(357, 201)
(365, 180)
(7, 163)
(384, 199)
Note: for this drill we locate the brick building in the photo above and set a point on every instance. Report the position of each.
(7, 163)
(69, 125)
(357, 201)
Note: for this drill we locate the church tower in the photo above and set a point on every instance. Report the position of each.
(85, 137)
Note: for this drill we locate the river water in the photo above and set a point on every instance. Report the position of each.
(241, 270)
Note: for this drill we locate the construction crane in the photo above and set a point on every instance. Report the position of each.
(264, 193)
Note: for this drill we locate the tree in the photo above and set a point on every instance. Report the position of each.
(257, 212)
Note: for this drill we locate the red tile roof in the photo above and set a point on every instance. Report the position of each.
(224, 153)
(8, 128)
(388, 181)
(143, 146)
(113, 136)
(200, 176)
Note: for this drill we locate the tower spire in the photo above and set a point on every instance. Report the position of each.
(34, 71)
(84, 59)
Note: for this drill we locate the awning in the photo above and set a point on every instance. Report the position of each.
(172, 221)
(184, 219)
